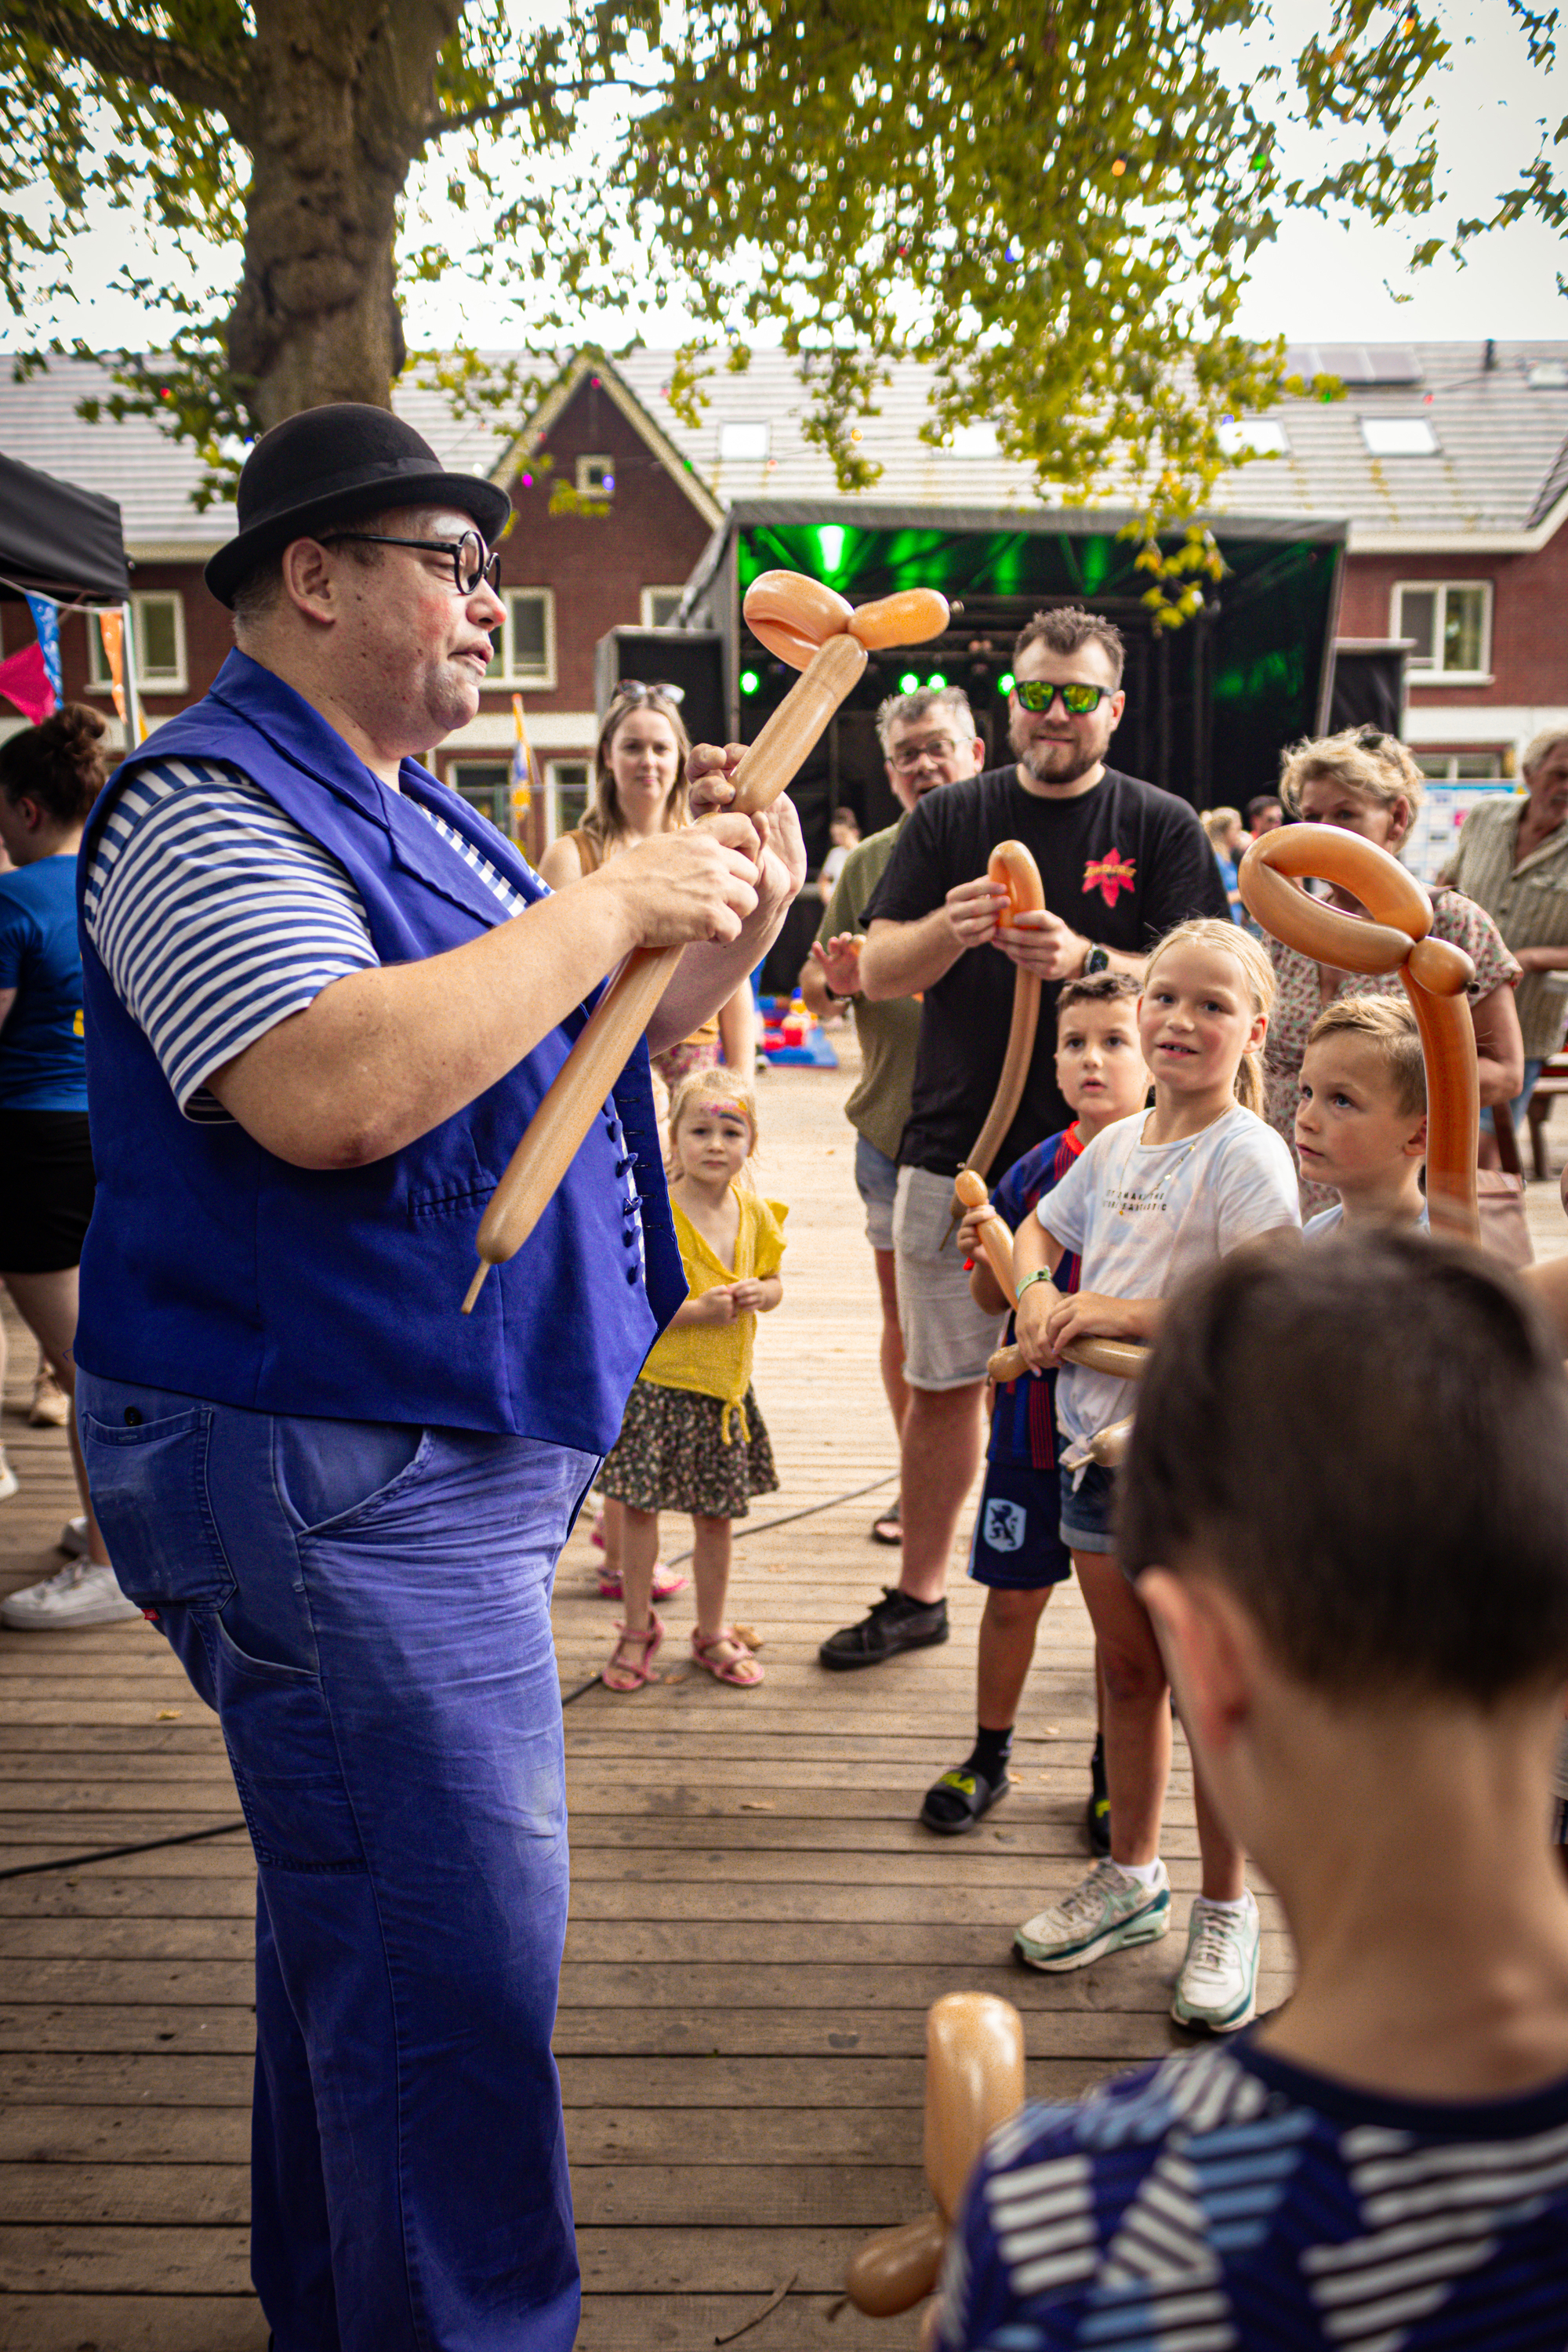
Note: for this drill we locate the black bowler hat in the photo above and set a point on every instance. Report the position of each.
(336, 465)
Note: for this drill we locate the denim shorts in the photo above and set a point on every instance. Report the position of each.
(1017, 1546)
(1086, 1508)
(877, 1180)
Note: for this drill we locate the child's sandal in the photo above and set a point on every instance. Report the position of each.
(741, 1669)
(634, 1674)
(666, 1583)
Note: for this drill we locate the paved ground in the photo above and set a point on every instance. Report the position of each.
(758, 1923)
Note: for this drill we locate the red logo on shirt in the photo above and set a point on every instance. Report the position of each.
(1109, 875)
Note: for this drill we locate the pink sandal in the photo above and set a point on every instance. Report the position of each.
(726, 1670)
(666, 1584)
(634, 1675)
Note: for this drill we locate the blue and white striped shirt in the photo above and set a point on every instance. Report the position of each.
(215, 917)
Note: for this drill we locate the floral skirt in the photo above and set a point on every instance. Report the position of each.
(671, 1455)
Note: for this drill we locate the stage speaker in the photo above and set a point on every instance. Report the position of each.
(692, 659)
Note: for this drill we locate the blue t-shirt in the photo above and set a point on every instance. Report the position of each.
(42, 1066)
(1230, 2200)
(1023, 1417)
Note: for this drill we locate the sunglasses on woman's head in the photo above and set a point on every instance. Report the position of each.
(635, 689)
(1034, 694)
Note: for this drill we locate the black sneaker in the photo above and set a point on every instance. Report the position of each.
(1097, 1813)
(895, 1623)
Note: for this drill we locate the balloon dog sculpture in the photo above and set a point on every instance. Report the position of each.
(827, 639)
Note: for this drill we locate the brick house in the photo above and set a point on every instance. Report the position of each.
(1448, 460)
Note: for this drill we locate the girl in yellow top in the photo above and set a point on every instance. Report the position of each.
(692, 1439)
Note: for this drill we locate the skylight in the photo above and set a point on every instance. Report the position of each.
(744, 443)
(976, 440)
(1260, 434)
(1398, 437)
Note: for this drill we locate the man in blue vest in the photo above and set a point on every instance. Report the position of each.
(315, 1034)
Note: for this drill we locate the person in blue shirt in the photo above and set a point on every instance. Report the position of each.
(49, 777)
(1367, 1628)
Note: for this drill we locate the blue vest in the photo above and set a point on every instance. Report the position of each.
(214, 1269)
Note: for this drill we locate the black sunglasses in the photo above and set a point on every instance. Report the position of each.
(635, 689)
(471, 559)
(1035, 695)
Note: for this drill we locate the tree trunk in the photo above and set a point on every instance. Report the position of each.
(342, 94)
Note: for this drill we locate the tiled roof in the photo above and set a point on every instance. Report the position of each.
(1499, 415)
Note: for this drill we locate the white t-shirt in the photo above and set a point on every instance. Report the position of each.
(1141, 1217)
(1329, 1220)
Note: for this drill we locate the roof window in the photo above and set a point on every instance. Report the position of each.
(1260, 434)
(1547, 375)
(744, 443)
(1398, 437)
(979, 440)
(1356, 362)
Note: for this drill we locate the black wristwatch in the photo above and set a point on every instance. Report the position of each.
(833, 998)
(1096, 959)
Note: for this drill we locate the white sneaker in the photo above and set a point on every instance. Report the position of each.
(73, 1539)
(9, 1483)
(1217, 1986)
(81, 1594)
(50, 1407)
(1106, 1913)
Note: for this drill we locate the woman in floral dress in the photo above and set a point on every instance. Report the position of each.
(1366, 782)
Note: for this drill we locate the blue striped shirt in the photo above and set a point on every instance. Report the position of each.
(215, 917)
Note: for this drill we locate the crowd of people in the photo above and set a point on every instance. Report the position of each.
(320, 1000)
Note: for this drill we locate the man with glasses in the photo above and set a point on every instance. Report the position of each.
(1121, 861)
(928, 738)
(323, 998)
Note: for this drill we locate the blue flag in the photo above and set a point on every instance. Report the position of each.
(46, 621)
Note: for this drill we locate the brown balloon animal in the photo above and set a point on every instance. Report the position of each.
(827, 640)
(1013, 868)
(975, 2081)
(1435, 976)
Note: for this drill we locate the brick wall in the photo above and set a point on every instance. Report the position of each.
(1530, 619)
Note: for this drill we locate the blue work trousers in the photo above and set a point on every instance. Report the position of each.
(367, 1607)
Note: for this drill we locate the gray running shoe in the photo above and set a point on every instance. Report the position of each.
(81, 1594)
(1217, 1986)
(1107, 1913)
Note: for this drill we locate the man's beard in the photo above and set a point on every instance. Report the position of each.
(1050, 761)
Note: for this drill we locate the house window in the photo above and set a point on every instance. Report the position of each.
(486, 785)
(979, 440)
(158, 619)
(1448, 623)
(528, 638)
(1460, 767)
(659, 607)
(1398, 437)
(1264, 438)
(743, 444)
(566, 783)
(597, 478)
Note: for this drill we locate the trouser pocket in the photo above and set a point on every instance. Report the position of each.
(149, 1483)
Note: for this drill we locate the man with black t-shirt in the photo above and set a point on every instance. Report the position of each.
(1121, 862)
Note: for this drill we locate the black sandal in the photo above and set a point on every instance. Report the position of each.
(887, 1527)
(960, 1799)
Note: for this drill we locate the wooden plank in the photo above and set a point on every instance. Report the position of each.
(150, 2322)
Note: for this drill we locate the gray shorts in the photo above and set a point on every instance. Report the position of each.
(947, 1339)
(877, 1180)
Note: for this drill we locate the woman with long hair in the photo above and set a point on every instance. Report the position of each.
(49, 778)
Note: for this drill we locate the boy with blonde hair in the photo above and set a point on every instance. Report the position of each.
(1361, 1119)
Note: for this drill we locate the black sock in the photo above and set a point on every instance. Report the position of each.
(1096, 1765)
(990, 1753)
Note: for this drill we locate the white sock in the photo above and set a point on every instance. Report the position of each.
(1147, 1873)
(1236, 1910)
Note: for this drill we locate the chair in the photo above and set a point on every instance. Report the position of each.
(1552, 1081)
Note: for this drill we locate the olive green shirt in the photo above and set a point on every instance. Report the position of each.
(889, 1032)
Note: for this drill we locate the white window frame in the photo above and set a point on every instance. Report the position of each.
(553, 792)
(1369, 425)
(586, 486)
(733, 427)
(99, 681)
(1443, 767)
(1421, 675)
(647, 595)
(540, 681)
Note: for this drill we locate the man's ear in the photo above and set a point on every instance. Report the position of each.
(1415, 1142)
(1211, 1652)
(310, 579)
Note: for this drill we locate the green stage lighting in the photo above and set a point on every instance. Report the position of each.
(936, 681)
(908, 683)
(830, 539)
(750, 681)
(1004, 683)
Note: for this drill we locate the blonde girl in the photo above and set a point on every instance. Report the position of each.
(1150, 1199)
(693, 1439)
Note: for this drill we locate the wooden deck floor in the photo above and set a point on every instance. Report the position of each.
(758, 1923)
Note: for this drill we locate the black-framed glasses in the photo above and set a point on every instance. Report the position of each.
(471, 559)
(637, 689)
(1035, 695)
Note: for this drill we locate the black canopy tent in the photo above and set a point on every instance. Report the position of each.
(59, 542)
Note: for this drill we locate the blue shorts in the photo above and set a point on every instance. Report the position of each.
(1085, 1509)
(877, 1182)
(1016, 1546)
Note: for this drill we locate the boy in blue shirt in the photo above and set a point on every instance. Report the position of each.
(1367, 1631)
(1016, 1550)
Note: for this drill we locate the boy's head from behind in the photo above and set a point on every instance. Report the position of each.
(1404, 1538)
(1099, 1063)
(1361, 1117)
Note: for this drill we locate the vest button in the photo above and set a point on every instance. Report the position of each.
(132, 1418)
